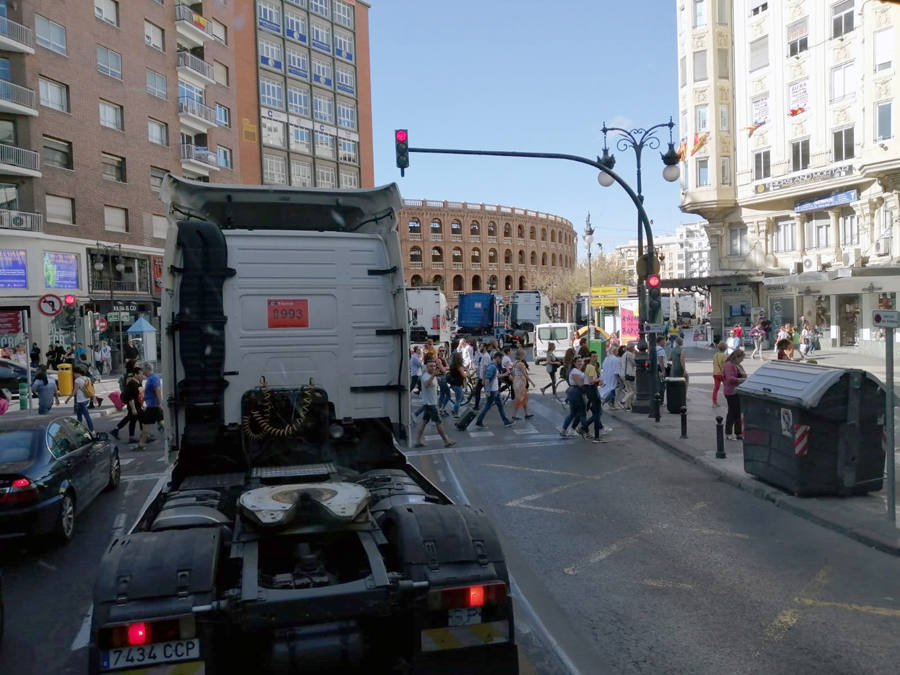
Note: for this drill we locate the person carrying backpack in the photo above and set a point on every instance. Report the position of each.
(83, 392)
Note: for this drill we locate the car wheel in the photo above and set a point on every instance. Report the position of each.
(65, 524)
(115, 473)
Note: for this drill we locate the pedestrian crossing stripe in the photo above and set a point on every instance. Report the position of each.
(458, 637)
(481, 433)
(526, 429)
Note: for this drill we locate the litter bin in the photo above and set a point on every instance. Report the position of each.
(676, 394)
(64, 378)
(814, 430)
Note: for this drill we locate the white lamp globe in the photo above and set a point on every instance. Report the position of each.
(672, 173)
(605, 179)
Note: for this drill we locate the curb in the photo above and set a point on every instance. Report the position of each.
(753, 487)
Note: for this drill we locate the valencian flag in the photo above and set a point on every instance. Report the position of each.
(753, 127)
(796, 111)
(699, 140)
(682, 150)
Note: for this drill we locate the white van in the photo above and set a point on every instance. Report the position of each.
(559, 334)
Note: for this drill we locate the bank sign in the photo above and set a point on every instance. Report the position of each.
(827, 202)
(804, 178)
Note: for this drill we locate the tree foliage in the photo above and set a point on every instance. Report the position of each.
(563, 285)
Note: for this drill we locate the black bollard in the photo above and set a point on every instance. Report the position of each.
(683, 422)
(720, 438)
(657, 405)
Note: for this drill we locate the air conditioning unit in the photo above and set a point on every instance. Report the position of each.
(812, 263)
(18, 223)
(882, 247)
(852, 258)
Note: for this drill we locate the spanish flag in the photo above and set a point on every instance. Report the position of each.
(682, 150)
(699, 140)
(796, 111)
(753, 127)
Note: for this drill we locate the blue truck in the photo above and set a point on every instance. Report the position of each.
(481, 316)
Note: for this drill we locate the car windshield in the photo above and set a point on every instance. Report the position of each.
(16, 446)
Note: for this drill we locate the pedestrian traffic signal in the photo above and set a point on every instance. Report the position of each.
(653, 281)
(69, 300)
(654, 301)
(401, 143)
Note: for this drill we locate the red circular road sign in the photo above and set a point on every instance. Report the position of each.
(50, 305)
(101, 324)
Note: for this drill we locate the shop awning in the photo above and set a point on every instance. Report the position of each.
(719, 280)
(805, 278)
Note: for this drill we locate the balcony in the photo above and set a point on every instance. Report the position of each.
(457, 265)
(492, 240)
(198, 160)
(415, 265)
(415, 236)
(17, 100)
(195, 115)
(193, 30)
(437, 236)
(118, 286)
(195, 70)
(437, 265)
(21, 220)
(476, 265)
(15, 161)
(14, 37)
(493, 267)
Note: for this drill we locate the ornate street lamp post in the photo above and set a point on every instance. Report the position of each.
(588, 241)
(119, 267)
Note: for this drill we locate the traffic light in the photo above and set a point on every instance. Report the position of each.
(654, 301)
(401, 143)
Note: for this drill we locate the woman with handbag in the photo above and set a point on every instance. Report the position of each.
(553, 364)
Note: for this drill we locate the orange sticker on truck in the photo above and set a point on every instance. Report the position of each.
(288, 313)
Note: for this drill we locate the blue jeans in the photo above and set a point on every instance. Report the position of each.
(594, 407)
(444, 397)
(81, 409)
(576, 408)
(457, 397)
(493, 397)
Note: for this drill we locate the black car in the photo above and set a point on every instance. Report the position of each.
(11, 374)
(50, 470)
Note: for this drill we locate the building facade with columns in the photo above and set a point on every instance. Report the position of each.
(786, 112)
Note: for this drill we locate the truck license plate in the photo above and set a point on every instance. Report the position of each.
(464, 617)
(146, 655)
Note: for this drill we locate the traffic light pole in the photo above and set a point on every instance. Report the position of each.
(643, 227)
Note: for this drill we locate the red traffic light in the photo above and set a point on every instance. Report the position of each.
(400, 136)
(69, 300)
(653, 281)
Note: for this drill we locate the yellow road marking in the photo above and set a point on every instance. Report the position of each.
(852, 607)
(662, 583)
(786, 620)
(553, 472)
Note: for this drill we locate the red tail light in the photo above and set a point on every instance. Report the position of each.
(20, 491)
(146, 632)
(21, 483)
(138, 634)
(476, 596)
(467, 596)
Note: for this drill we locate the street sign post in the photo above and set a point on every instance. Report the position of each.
(889, 319)
(604, 301)
(101, 324)
(615, 291)
(655, 328)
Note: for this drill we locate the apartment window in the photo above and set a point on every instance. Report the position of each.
(724, 117)
(219, 31)
(843, 81)
(343, 45)
(761, 165)
(154, 36)
(190, 92)
(54, 94)
(349, 179)
(107, 10)
(220, 73)
(699, 13)
(274, 172)
(883, 128)
(298, 100)
(160, 226)
(111, 115)
(700, 66)
(759, 53)
(50, 34)
(57, 152)
(724, 64)
(156, 84)
(223, 115)
(270, 54)
(321, 72)
(297, 62)
(115, 219)
(800, 155)
(324, 145)
(325, 176)
(842, 18)
(798, 37)
(758, 7)
(682, 70)
(112, 167)
(849, 228)
(346, 115)
(59, 209)
(702, 118)
(885, 219)
(323, 108)
(722, 13)
(268, 15)
(109, 62)
(156, 178)
(884, 49)
(349, 151)
(702, 172)
(843, 144)
(346, 80)
(319, 7)
(301, 139)
(343, 13)
(157, 132)
(783, 236)
(295, 26)
(818, 230)
(725, 170)
(271, 93)
(320, 36)
(737, 240)
(272, 133)
(223, 157)
(301, 173)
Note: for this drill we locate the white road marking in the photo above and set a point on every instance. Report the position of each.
(84, 633)
(142, 476)
(662, 583)
(554, 472)
(441, 476)
(127, 461)
(481, 434)
(545, 493)
(526, 429)
(119, 524)
(433, 437)
(47, 565)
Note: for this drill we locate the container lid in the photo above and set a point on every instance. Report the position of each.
(798, 384)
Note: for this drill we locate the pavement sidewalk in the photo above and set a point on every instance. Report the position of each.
(102, 388)
(860, 517)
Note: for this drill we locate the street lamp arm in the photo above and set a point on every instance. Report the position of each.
(629, 138)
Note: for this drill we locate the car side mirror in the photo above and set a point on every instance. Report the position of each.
(102, 436)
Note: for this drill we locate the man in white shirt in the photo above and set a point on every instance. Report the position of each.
(106, 357)
(466, 352)
(81, 399)
(429, 401)
(415, 369)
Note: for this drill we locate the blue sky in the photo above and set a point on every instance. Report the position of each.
(531, 76)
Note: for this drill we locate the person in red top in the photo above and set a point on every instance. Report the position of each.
(732, 375)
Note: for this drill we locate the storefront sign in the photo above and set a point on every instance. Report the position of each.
(60, 270)
(827, 202)
(10, 322)
(13, 269)
(804, 178)
(156, 264)
(130, 307)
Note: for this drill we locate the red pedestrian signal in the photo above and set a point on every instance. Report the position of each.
(653, 281)
(69, 300)
(401, 145)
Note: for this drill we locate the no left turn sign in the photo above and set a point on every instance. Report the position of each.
(50, 305)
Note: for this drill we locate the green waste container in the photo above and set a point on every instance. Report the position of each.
(24, 395)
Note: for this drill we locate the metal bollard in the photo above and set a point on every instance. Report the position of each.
(720, 438)
(657, 405)
(683, 422)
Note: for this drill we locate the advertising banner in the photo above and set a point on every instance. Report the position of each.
(13, 269)
(60, 270)
(156, 262)
(629, 318)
